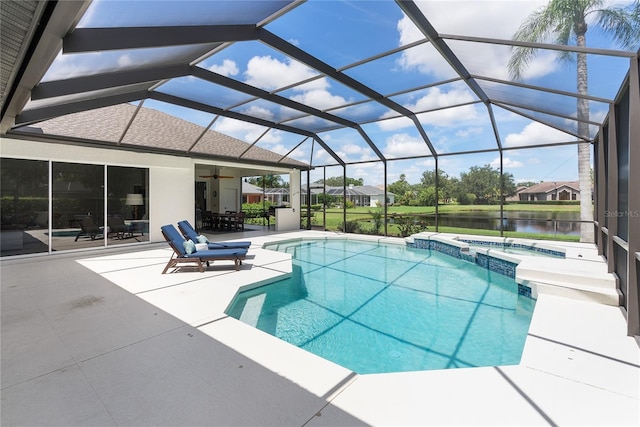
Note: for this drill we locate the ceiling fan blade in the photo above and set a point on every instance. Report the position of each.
(225, 176)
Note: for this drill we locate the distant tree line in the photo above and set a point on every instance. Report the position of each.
(337, 181)
(480, 185)
(268, 181)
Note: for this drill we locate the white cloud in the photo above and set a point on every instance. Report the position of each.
(320, 99)
(371, 173)
(227, 68)
(423, 58)
(498, 19)
(546, 62)
(269, 73)
(434, 99)
(395, 124)
(450, 117)
(274, 136)
(278, 148)
(353, 152)
(493, 19)
(259, 112)
(507, 163)
(321, 156)
(245, 131)
(301, 155)
(352, 149)
(437, 98)
(472, 131)
(536, 133)
(402, 145)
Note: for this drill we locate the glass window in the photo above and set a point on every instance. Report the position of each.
(78, 206)
(127, 205)
(24, 208)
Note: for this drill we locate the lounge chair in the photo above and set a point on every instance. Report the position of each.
(200, 258)
(190, 233)
(118, 227)
(88, 227)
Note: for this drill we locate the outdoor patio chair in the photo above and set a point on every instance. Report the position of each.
(118, 227)
(199, 258)
(190, 233)
(237, 221)
(88, 227)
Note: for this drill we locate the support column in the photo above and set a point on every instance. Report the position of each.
(633, 293)
(612, 189)
(601, 192)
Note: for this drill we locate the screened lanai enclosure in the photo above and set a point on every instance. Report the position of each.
(395, 93)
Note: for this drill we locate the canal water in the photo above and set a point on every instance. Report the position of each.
(561, 223)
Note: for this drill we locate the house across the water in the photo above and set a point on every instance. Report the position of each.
(556, 190)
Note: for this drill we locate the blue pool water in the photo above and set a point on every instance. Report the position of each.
(377, 308)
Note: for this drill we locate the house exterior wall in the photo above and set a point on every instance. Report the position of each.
(570, 193)
(252, 198)
(378, 200)
(171, 178)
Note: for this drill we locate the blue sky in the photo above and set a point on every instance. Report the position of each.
(343, 33)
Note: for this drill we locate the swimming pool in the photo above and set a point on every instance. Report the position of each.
(375, 308)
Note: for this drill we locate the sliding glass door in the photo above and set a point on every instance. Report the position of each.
(77, 219)
(24, 206)
(127, 205)
(56, 206)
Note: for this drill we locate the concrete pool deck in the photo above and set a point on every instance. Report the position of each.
(102, 338)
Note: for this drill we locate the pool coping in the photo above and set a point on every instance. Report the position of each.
(561, 358)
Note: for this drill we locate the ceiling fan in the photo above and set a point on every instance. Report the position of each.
(216, 176)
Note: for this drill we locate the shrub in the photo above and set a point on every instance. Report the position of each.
(467, 199)
(350, 227)
(377, 217)
(408, 225)
(545, 202)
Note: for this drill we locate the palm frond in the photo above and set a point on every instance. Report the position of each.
(561, 19)
(537, 27)
(621, 23)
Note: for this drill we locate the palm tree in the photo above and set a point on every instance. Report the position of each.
(567, 21)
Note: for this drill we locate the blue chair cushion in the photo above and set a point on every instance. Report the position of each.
(217, 253)
(229, 245)
(186, 228)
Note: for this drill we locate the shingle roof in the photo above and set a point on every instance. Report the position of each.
(248, 188)
(371, 190)
(546, 187)
(361, 190)
(111, 125)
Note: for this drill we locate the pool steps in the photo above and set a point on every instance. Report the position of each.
(572, 279)
(580, 279)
